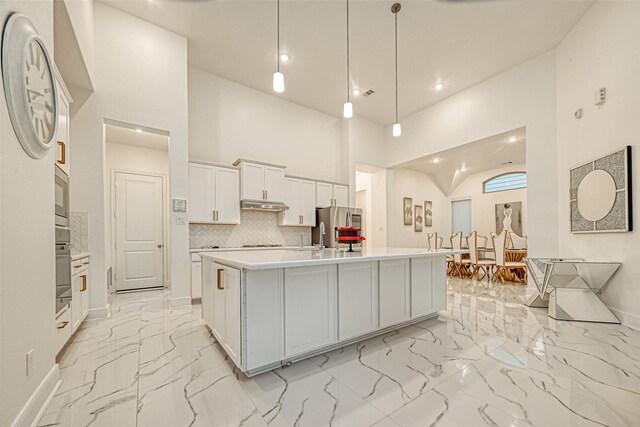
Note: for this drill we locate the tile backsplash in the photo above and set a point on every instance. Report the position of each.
(79, 225)
(255, 228)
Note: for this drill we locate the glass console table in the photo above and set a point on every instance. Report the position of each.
(570, 288)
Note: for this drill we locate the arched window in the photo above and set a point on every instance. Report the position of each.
(507, 181)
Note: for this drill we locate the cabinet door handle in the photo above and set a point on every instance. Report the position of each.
(213, 214)
(63, 324)
(84, 283)
(266, 194)
(77, 266)
(63, 153)
(219, 272)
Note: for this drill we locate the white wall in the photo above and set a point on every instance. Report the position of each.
(420, 187)
(483, 205)
(27, 256)
(140, 78)
(601, 51)
(228, 121)
(128, 158)
(522, 96)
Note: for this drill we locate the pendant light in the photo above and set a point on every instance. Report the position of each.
(347, 111)
(278, 77)
(397, 129)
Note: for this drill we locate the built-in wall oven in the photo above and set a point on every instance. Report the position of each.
(63, 269)
(62, 198)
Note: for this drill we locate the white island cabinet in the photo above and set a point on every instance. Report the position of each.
(272, 307)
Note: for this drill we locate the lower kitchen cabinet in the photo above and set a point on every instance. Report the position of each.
(421, 287)
(395, 292)
(62, 327)
(196, 276)
(310, 308)
(357, 299)
(79, 291)
(223, 300)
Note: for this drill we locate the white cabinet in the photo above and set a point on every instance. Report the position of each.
(341, 195)
(221, 306)
(357, 299)
(63, 133)
(196, 276)
(421, 287)
(328, 194)
(395, 292)
(300, 196)
(214, 194)
(261, 181)
(79, 291)
(310, 308)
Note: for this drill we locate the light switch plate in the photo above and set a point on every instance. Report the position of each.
(181, 220)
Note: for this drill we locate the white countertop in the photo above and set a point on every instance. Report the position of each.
(79, 255)
(266, 259)
(197, 250)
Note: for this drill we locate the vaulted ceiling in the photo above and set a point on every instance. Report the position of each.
(457, 43)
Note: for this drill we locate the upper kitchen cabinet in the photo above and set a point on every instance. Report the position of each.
(62, 133)
(328, 194)
(261, 181)
(214, 194)
(300, 196)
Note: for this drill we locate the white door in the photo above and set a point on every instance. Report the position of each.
(308, 203)
(62, 159)
(341, 195)
(227, 196)
(461, 216)
(324, 194)
(232, 321)
(395, 304)
(357, 299)
(252, 181)
(138, 222)
(292, 199)
(421, 286)
(309, 308)
(274, 184)
(200, 205)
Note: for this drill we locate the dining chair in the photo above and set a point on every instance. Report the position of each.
(432, 241)
(502, 265)
(460, 264)
(478, 264)
(517, 242)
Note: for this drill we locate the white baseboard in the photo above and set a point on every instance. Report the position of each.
(180, 302)
(627, 319)
(33, 410)
(98, 313)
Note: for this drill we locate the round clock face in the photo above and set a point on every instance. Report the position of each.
(29, 85)
(39, 91)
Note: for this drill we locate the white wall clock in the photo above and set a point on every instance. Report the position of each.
(29, 86)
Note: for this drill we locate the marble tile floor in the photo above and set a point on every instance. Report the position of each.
(486, 360)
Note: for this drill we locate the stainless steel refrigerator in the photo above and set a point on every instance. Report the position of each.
(333, 218)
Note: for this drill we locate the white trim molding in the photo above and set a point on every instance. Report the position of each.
(33, 410)
(180, 302)
(627, 319)
(98, 313)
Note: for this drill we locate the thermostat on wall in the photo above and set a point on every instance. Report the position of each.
(179, 205)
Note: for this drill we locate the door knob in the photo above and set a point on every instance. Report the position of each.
(159, 246)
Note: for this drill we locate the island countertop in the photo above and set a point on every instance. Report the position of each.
(284, 258)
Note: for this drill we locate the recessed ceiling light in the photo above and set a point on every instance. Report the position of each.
(284, 57)
(512, 139)
(436, 160)
(463, 168)
(438, 86)
(355, 92)
(138, 130)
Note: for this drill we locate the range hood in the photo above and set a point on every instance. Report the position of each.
(263, 206)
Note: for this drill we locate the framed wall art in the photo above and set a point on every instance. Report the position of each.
(418, 219)
(407, 208)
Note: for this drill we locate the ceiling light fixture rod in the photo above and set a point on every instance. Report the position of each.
(278, 77)
(278, 25)
(348, 62)
(395, 8)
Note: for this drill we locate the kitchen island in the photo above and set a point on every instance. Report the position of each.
(271, 308)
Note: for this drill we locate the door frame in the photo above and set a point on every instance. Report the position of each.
(165, 224)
